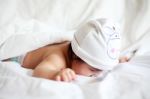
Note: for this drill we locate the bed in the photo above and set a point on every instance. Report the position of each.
(26, 25)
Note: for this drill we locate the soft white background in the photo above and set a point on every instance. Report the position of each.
(60, 16)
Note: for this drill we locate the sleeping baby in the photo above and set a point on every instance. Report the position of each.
(95, 48)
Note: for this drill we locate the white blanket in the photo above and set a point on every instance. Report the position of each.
(128, 81)
(26, 25)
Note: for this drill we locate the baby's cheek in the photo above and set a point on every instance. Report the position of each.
(88, 72)
(81, 68)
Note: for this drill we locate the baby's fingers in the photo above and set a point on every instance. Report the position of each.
(64, 77)
(58, 78)
(68, 75)
(123, 59)
(73, 75)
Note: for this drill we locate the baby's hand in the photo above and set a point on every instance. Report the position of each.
(123, 59)
(66, 75)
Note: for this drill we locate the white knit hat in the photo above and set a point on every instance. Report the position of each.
(98, 43)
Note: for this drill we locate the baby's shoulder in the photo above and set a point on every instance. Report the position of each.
(56, 57)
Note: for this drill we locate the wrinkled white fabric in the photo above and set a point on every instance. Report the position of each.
(98, 43)
(29, 24)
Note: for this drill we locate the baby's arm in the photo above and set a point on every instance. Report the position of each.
(49, 70)
(45, 70)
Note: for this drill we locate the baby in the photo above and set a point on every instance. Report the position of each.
(94, 48)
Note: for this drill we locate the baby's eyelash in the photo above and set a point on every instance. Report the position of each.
(92, 75)
(93, 70)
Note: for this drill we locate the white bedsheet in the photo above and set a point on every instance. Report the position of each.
(128, 81)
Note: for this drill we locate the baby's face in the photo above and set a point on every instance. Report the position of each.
(82, 68)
